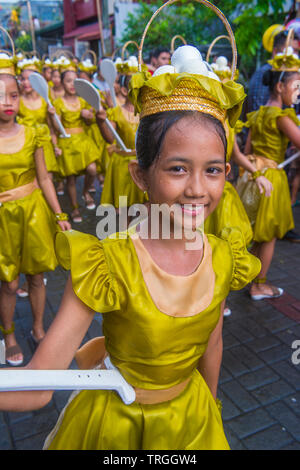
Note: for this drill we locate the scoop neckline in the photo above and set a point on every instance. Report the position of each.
(134, 235)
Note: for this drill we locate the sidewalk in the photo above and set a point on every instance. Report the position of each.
(259, 384)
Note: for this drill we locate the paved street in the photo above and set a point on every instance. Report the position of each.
(259, 384)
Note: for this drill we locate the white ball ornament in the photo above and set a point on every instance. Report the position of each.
(184, 53)
(222, 61)
(164, 69)
(193, 66)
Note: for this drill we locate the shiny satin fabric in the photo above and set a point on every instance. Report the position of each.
(79, 150)
(152, 350)
(230, 212)
(27, 225)
(266, 139)
(154, 353)
(274, 217)
(38, 117)
(118, 181)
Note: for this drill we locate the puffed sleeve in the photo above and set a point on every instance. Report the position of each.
(245, 265)
(291, 113)
(92, 281)
(42, 135)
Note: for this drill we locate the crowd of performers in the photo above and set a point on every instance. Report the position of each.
(162, 305)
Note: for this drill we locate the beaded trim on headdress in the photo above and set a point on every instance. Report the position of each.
(188, 83)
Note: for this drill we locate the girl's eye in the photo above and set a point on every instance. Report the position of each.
(177, 169)
(214, 170)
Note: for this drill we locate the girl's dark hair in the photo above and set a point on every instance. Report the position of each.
(124, 80)
(63, 74)
(152, 132)
(271, 78)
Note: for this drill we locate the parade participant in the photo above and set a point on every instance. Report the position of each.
(47, 71)
(57, 90)
(86, 69)
(230, 211)
(79, 152)
(270, 130)
(33, 110)
(118, 181)
(160, 302)
(27, 223)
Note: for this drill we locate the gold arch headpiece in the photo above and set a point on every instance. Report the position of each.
(173, 42)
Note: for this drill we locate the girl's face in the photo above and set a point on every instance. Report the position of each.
(47, 73)
(25, 83)
(189, 172)
(68, 82)
(85, 76)
(56, 78)
(290, 90)
(9, 98)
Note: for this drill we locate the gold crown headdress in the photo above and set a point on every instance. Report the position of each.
(286, 61)
(188, 83)
(86, 65)
(46, 62)
(7, 59)
(65, 64)
(127, 66)
(30, 62)
(173, 42)
(220, 67)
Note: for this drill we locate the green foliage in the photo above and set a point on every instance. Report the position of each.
(199, 26)
(24, 43)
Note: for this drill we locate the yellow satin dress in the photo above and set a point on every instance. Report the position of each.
(79, 150)
(38, 117)
(93, 131)
(118, 181)
(27, 225)
(156, 327)
(230, 211)
(274, 217)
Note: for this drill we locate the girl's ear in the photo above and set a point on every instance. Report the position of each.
(124, 91)
(138, 175)
(227, 169)
(279, 88)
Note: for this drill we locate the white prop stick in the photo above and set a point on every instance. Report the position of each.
(89, 93)
(40, 85)
(109, 73)
(289, 160)
(26, 380)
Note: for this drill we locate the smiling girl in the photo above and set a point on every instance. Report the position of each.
(28, 215)
(161, 302)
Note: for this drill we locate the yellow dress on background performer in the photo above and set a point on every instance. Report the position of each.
(274, 216)
(118, 181)
(38, 116)
(230, 211)
(168, 320)
(79, 150)
(27, 225)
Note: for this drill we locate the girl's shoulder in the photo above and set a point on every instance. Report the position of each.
(231, 258)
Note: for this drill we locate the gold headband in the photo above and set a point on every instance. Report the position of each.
(286, 62)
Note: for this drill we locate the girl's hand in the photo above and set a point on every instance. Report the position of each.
(87, 114)
(101, 115)
(64, 225)
(264, 185)
(57, 151)
(51, 110)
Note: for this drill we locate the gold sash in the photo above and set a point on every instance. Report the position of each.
(18, 193)
(92, 355)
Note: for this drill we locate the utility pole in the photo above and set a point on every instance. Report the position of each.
(31, 25)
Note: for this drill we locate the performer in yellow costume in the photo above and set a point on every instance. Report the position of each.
(118, 182)
(79, 152)
(161, 302)
(33, 109)
(27, 219)
(270, 130)
(86, 69)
